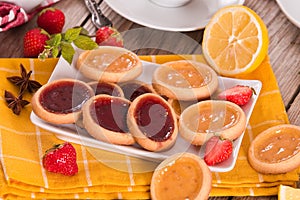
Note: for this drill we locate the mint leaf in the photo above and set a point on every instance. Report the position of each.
(71, 34)
(67, 52)
(85, 43)
(55, 52)
(54, 40)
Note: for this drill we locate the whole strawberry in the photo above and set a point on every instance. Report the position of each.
(238, 94)
(61, 159)
(33, 42)
(217, 150)
(52, 20)
(108, 36)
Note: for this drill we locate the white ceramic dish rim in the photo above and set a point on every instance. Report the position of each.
(189, 17)
(291, 9)
(71, 133)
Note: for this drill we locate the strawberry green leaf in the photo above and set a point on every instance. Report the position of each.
(71, 34)
(85, 43)
(67, 51)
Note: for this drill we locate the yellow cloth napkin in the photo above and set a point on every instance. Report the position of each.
(22, 146)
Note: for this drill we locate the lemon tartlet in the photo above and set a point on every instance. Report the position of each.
(276, 150)
(200, 121)
(181, 176)
(110, 64)
(185, 80)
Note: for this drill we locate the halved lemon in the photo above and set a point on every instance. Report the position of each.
(235, 41)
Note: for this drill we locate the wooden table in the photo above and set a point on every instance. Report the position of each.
(284, 47)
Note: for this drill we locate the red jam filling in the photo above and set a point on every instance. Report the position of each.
(105, 88)
(133, 90)
(154, 119)
(110, 113)
(64, 97)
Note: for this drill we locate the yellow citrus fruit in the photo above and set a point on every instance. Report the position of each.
(288, 193)
(235, 41)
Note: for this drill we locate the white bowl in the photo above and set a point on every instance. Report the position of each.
(27, 5)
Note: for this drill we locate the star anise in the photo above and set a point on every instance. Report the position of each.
(24, 81)
(15, 103)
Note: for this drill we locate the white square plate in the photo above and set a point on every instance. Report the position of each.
(71, 133)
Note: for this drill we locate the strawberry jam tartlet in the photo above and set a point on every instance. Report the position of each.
(133, 89)
(202, 120)
(152, 122)
(108, 88)
(104, 118)
(60, 101)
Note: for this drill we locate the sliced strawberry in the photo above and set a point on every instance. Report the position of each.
(61, 159)
(238, 94)
(217, 150)
(108, 36)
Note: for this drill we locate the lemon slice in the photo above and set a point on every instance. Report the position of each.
(235, 41)
(288, 193)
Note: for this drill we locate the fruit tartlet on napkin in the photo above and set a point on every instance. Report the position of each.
(22, 147)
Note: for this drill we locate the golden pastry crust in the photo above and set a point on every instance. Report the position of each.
(98, 131)
(58, 117)
(185, 80)
(109, 64)
(200, 121)
(180, 106)
(276, 150)
(176, 173)
(152, 135)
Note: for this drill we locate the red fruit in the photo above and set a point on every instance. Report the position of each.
(238, 94)
(108, 36)
(52, 20)
(217, 150)
(34, 42)
(61, 159)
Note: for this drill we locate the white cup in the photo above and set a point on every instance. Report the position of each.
(27, 5)
(171, 3)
